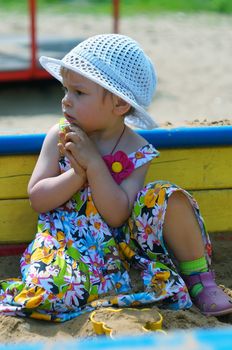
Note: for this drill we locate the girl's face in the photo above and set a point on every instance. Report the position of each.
(85, 104)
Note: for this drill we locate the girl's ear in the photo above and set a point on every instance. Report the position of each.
(120, 107)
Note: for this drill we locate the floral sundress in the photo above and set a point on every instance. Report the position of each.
(77, 262)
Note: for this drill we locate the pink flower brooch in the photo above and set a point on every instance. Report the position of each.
(119, 165)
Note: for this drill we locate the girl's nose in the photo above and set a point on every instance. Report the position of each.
(66, 101)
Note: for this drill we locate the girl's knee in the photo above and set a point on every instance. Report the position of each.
(179, 199)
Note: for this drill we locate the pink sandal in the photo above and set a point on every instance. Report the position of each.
(211, 301)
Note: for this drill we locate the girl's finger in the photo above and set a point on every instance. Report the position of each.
(72, 159)
(65, 152)
(74, 164)
(76, 129)
(72, 136)
(61, 136)
(61, 139)
(69, 146)
(61, 148)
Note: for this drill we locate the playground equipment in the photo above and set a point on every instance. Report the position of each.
(197, 159)
(33, 71)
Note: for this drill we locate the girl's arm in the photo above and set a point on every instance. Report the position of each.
(48, 188)
(114, 202)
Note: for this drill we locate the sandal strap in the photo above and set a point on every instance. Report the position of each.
(207, 279)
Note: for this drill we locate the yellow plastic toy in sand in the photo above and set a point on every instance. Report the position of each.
(103, 327)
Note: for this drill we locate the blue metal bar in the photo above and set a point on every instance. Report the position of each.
(189, 136)
(21, 144)
(161, 138)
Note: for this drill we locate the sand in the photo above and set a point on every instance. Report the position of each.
(18, 330)
(192, 54)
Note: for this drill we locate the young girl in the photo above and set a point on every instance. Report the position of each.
(97, 221)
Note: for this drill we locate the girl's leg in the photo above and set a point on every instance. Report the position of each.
(181, 229)
(183, 237)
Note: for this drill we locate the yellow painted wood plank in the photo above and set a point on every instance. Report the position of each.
(215, 206)
(195, 168)
(18, 221)
(15, 172)
(200, 168)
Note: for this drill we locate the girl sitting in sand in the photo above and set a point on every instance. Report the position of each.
(97, 220)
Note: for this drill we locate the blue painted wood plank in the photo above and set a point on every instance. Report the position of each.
(161, 138)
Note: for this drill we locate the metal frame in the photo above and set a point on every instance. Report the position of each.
(34, 72)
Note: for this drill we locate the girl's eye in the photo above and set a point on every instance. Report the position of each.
(78, 92)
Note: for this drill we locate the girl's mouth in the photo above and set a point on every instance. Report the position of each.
(70, 119)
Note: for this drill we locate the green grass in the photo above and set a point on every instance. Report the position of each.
(127, 7)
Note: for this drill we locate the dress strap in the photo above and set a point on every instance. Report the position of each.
(143, 155)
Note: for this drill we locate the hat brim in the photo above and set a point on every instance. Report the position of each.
(139, 119)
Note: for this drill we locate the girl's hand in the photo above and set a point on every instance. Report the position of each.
(61, 144)
(74, 164)
(82, 149)
(62, 141)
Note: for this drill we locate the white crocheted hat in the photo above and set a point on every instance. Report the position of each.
(117, 63)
